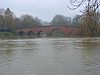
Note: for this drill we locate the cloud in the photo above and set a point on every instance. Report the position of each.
(45, 9)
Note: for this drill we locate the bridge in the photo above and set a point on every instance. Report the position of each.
(48, 31)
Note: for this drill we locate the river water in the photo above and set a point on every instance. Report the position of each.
(49, 56)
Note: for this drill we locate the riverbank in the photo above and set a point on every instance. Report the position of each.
(10, 35)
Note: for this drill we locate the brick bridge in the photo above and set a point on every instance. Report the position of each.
(48, 31)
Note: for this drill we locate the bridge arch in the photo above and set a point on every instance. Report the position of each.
(21, 33)
(31, 34)
(41, 34)
(57, 32)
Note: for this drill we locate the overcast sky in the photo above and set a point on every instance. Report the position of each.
(43, 9)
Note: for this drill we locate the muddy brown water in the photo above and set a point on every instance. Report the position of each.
(49, 56)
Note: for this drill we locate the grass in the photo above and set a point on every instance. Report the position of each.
(4, 35)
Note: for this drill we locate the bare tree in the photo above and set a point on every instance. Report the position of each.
(60, 20)
(89, 22)
(9, 18)
(29, 21)
(89, 3)
(2, 22)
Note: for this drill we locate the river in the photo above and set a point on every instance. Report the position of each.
(49, 56)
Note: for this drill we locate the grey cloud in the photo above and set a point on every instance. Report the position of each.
(45, 9)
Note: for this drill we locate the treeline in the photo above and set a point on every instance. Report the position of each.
(62, 20)
(88, 24)
(8, 20)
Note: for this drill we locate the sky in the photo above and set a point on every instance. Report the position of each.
(43, 9)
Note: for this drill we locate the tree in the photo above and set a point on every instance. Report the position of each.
(2, 23)
(9, 19)
(89, 23)
(37, 22)
(18, 23)
(76, 20)
(2, 11)
(27, 21)
(69, 20)
(60, 20)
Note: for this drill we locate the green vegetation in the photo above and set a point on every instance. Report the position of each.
(4, 35)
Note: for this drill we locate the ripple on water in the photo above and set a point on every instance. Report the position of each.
(50, 56)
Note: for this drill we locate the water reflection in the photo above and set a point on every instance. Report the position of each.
(49, 56)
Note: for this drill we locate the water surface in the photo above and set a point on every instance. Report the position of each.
(49, 56)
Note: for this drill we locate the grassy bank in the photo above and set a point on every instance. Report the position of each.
(7, 35)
